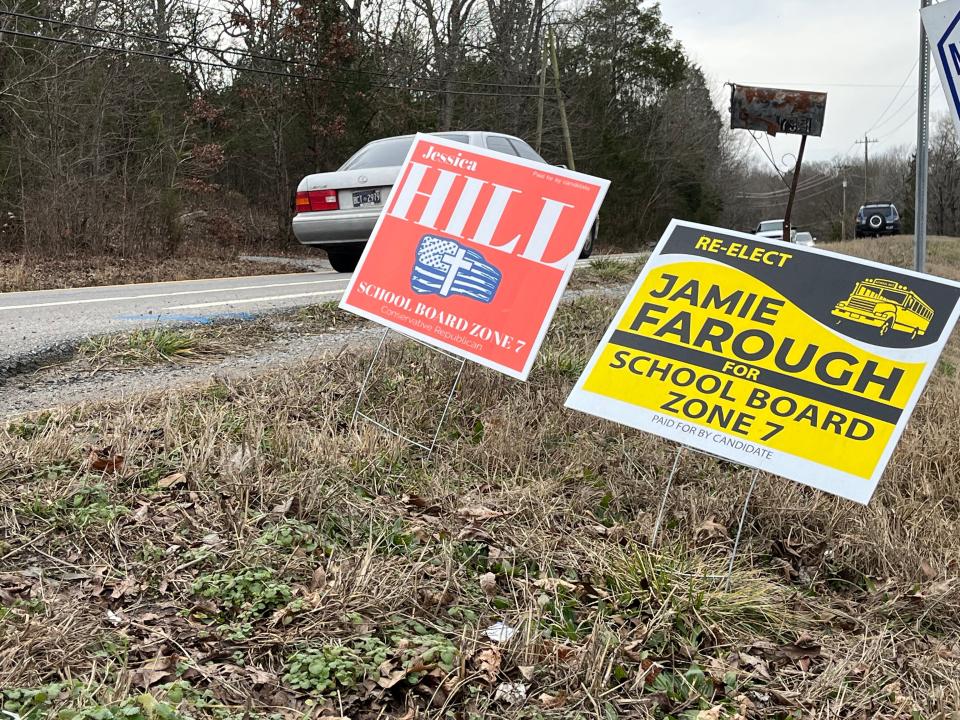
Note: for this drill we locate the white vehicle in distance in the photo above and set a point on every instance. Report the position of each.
(804, 238)
(336, 211)
(773, 229)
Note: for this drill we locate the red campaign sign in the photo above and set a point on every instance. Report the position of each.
(474, 250)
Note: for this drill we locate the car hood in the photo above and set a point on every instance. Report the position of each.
(341, 179)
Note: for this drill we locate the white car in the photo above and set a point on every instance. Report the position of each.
(773, 229)
(805, 239)
(337, 210)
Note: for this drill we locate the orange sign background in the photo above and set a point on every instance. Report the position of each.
(457, 217)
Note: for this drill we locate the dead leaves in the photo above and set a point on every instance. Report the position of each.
(390, 674)
(551, 585)
(153, 672)
(511, 693)
(711, 714)
(487, 662)
(478, 513)
(552, 701)
(237, 685)
(710, 529)
(421, 504)
(801, 654)
(476, 516)
(488, 584)
(104, 460)
(177, 479)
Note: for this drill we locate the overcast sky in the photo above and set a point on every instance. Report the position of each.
(857, 51)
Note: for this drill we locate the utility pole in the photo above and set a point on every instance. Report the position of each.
(923, 146)
(543, 88)
(866, 166)
(560, 102)
(843, 218)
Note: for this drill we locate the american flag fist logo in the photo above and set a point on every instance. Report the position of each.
(444, 267)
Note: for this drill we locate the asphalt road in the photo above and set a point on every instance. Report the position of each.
(34, 323)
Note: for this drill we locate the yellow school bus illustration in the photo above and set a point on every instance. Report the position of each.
(888, 305)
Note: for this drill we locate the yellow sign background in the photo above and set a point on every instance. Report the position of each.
(804, 433)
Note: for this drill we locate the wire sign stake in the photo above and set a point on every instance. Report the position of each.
(357, 413)
(658, 525)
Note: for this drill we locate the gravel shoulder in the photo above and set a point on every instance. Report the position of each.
(67, 383)
(61, 378)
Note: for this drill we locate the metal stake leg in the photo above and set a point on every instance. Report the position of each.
(743, 518)
(446, 407)
(443, 415)
(666, 493)
(366, 378)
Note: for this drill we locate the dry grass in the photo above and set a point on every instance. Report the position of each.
(19, 273)
(165, 344)
(943, 253)
(254, 555)
(606, 271)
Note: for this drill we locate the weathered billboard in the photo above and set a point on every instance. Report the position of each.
(772, 110)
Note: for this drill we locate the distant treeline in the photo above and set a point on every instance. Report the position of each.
(152, 126)
(140, 127)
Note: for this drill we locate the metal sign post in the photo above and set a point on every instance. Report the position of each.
(923, 144)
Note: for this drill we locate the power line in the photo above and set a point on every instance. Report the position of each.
(258, 71)
(895, 96)
(909, 117)
(216, 52)
(896, 112)
(804, 185)
(846, 85)
(772, 161)
(777, 203)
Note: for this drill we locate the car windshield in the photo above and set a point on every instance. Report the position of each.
(390, 153)
(771, 225)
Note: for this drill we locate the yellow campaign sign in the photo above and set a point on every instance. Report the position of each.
(793, 360)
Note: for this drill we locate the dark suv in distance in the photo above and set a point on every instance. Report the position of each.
(876, 219)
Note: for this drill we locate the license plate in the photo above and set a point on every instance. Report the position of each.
(366, 198)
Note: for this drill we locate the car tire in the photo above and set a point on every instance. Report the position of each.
(344, 259)
(587, 249)
(876, 223)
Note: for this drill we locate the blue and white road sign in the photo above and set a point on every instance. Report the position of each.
(942, 22)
